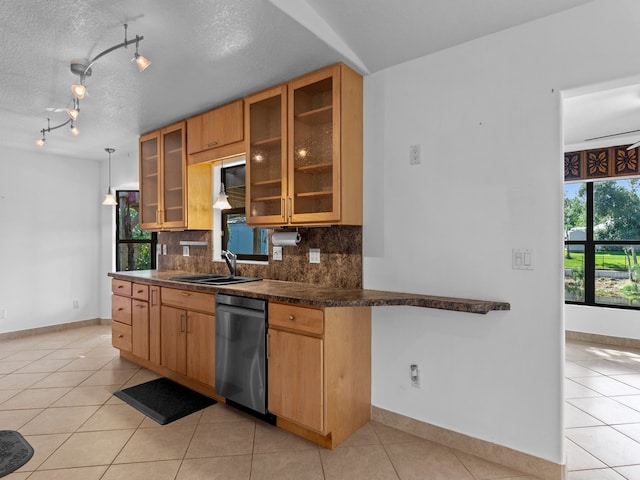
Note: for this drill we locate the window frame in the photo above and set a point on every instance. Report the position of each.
(153, 241)
(589, 247)
(254, 258)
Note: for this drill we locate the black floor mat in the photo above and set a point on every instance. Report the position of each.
(163, 400)
(15, 451)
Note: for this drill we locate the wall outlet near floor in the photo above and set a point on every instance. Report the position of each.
(3, 314)
(414, 154)
(185, 250)
(277, 253)
(415, 376)
(314, 255)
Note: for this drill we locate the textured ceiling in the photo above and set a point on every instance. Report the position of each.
(205, 53)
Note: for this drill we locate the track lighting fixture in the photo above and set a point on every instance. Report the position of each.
(79, 90)
(109, 199)
(74, 112)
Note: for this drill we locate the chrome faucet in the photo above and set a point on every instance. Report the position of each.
(230, 258)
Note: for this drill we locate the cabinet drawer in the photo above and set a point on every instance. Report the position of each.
(139, 291)
(121, 287)
(201, 302)
(121, 336)
(121, 309)
(308, 320)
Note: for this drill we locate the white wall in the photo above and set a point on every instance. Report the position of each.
(49, 239)
(603, 321)
(487, 115)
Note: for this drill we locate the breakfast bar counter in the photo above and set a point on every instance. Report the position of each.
(315, 295)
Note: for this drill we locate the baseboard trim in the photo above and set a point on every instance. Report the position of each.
(53, 328)
(604, 339)
(523, 462)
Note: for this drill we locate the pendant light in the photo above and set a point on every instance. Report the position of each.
(109, 199)
(222, 202)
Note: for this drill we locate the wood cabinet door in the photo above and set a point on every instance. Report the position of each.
(173, 179)
(201, 347)
(314, 147)
(154, 324)
(266, 146)
(150, 181)
(296, 378)
(223, 125)
(140, 328)
(173, 335)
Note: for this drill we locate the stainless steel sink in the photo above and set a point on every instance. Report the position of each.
(214, 279)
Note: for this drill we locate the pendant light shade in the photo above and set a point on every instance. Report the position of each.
(109, 198)
(222, 202)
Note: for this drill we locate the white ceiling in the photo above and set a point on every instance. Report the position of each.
(205, 53)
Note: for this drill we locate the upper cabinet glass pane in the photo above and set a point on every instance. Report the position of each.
(313, 149)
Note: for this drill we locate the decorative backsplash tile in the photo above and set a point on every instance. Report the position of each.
(340, 257)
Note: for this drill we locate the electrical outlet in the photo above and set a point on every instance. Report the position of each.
(164, 249)
(414, 154)
(314, 255)
(415, 376)
(76, 304)
(277, 253)
(3, 314)
(185, 250)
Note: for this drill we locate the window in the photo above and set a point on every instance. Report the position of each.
(602, 243)
(249, 243)
(135, 248)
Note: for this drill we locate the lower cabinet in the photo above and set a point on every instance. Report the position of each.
(319, 364)
(295, 378)
(187, 336)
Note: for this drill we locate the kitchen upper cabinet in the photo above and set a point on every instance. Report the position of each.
(172, 195)
(163, 179)
(304, 146)
(217, 133)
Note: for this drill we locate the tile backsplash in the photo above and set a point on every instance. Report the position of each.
(340, 257)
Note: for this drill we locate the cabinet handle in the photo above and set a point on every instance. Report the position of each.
(157, 216)
(182, 319)
(153, 302)
(139, 306)
(292, 318)
(120, 336)
(120, 286)
(185, 294)
(188, 325)
(290, 207)
(120, 309)
(211, 144)
(284, 209)
(268, 345)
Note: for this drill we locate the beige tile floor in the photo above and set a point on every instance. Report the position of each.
(602, 412)
(56, 389)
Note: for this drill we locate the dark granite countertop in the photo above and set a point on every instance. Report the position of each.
(314, 295)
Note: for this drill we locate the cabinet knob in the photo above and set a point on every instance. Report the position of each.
(292, 318)
(120, 309)
(120, 336)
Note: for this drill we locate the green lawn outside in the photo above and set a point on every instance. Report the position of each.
(604, 261)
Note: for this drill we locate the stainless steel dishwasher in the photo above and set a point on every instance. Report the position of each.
(241, 362)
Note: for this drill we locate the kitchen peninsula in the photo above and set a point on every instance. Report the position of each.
(318, 342)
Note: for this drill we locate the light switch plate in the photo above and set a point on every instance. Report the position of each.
(185, 250)
(314, 255)
(277, 253)
(522, 259)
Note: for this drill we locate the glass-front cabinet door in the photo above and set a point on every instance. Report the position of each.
(265, 129)
(162, 178)
(173, 176)
(150, 180)
(314, 146)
